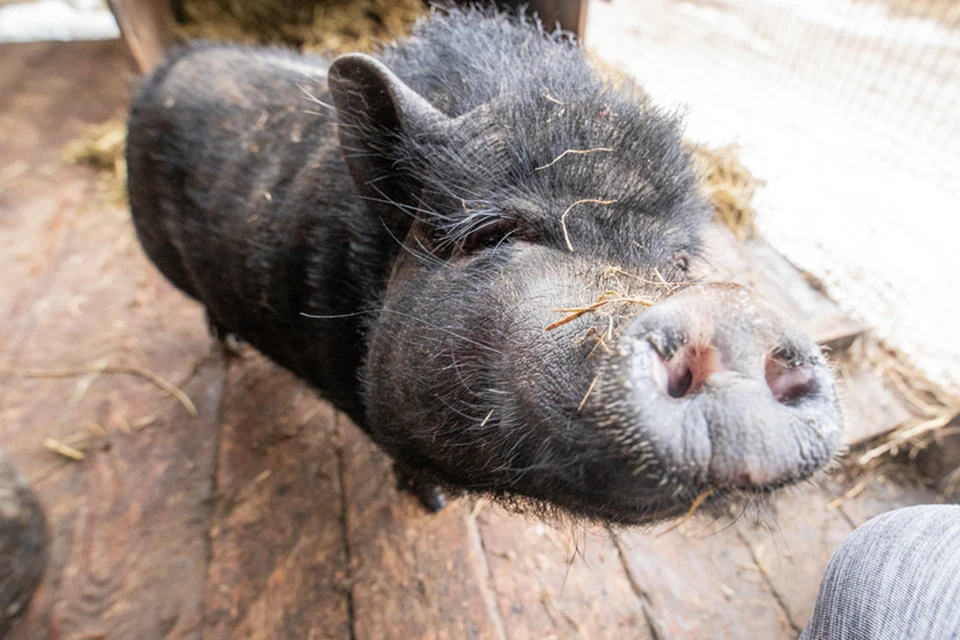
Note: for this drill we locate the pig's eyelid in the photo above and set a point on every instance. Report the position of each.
(491, 232)
(425, 256)
(337, 316)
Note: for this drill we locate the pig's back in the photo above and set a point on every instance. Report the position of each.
(217, 139)
(240, 196)
(474, 55)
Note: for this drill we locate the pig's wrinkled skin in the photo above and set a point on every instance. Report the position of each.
(403, 232)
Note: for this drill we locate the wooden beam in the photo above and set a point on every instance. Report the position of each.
(147, 28)
(571, 15)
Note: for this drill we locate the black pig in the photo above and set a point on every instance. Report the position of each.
(479, 250)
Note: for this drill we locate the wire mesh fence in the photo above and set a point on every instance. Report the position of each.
(850, 112)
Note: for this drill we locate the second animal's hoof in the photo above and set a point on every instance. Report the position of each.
(430, 495)
(24, 542)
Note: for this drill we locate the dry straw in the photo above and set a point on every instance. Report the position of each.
(728, 186)
(324, 26)
(101, 146)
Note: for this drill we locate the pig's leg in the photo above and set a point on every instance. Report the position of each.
(23, 544)
(896, 576)
(429, 494)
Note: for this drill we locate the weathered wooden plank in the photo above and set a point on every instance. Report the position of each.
(869, 408)
(875, 493)
(413, 574)
(757, 264)
(35, 239)
(43, 103)
(554, 583)
(50, 90)
(129, 521)
(278, 554)
(792, 547)
(696, 576)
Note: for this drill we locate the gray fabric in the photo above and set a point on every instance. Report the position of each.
(895, 577)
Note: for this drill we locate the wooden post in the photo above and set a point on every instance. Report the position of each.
(570, 14)
(147, 28)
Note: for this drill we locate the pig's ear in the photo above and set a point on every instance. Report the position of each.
(375, 110)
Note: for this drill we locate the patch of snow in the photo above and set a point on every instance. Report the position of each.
(57, 20)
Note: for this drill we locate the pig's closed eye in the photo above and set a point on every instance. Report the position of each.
(681, 259)
(488, 234)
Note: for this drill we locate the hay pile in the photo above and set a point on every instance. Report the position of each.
(946, 12)
(319, 26)
(101, 147)
(728, 186)
(936, 413)
(906, 454)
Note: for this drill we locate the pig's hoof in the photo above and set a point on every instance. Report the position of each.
(23, 545)
(230, 345)
(429, 494)
(229, 342)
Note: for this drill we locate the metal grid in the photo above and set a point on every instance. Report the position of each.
(850, 111)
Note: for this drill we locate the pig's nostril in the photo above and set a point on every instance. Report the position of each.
(680, 382)
(789, 384)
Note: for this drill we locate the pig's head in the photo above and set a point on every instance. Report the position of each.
(540, 338)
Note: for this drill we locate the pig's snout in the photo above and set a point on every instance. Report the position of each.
(729, 393)
(700, 363)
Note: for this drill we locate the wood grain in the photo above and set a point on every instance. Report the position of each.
(413, 574)
(696, 575)
(792, 547)
(869, 408)
(129, 521)
(278, 557)
(554, 582)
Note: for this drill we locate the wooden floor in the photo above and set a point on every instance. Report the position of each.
(267, 514)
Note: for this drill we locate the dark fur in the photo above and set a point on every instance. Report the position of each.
(24, 544)
(408, 272)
